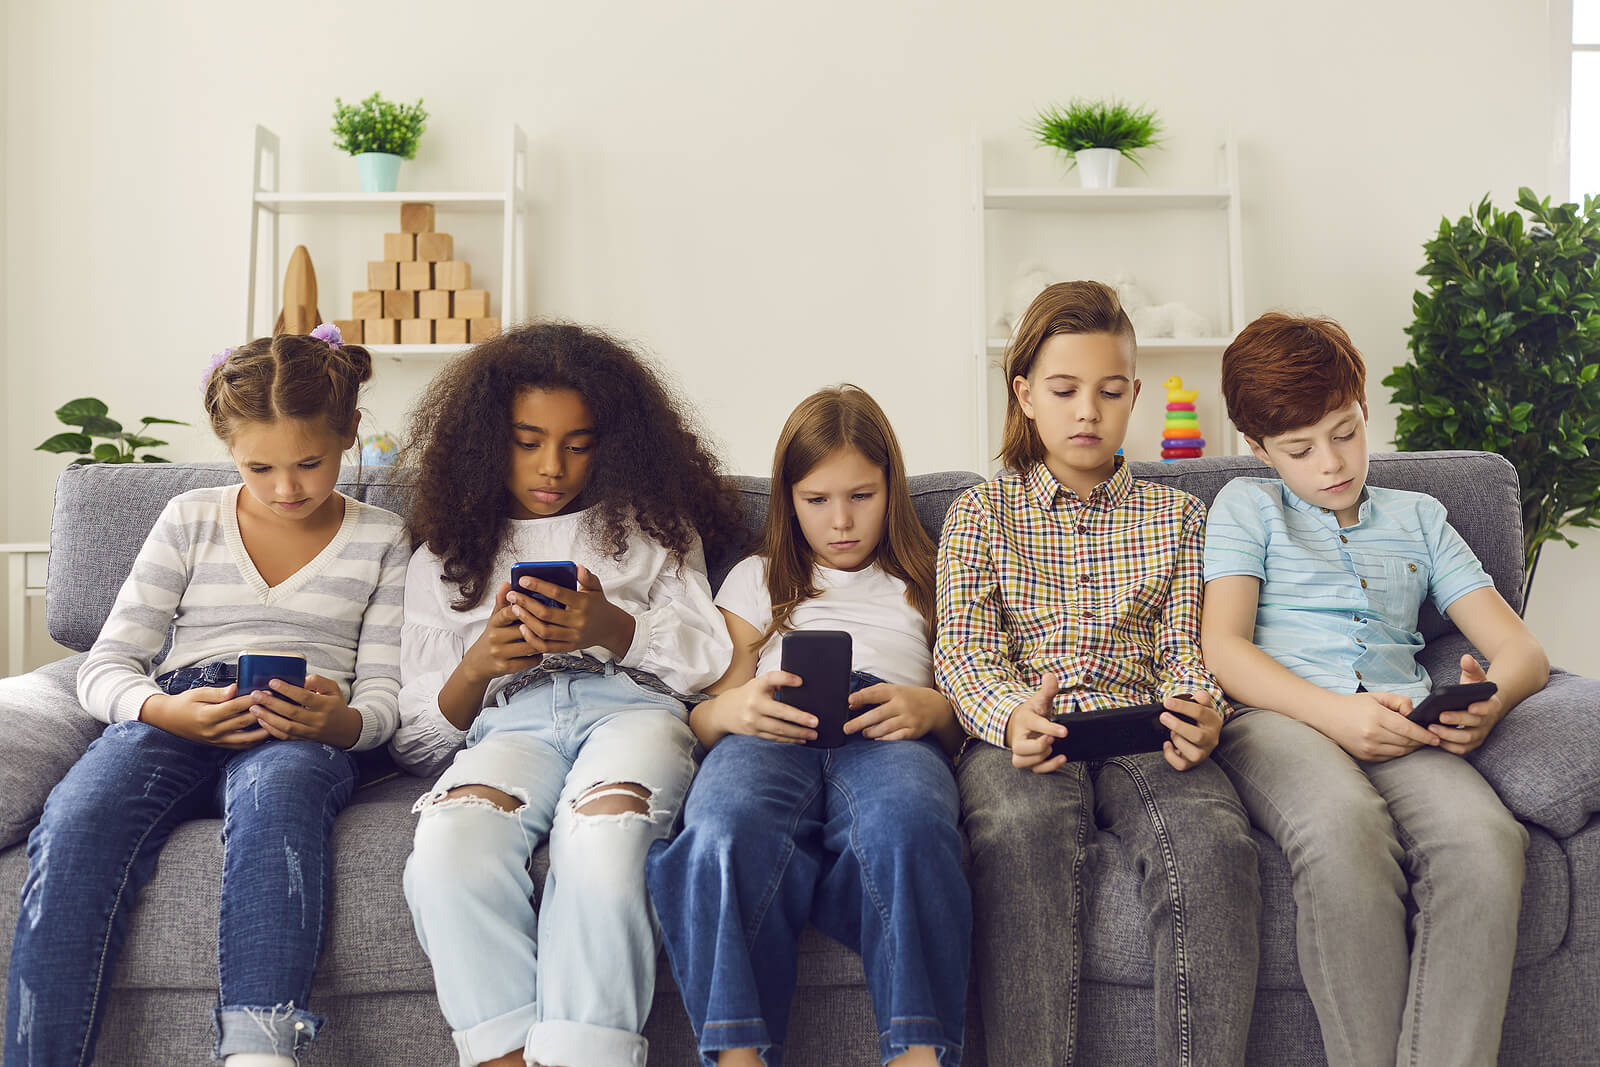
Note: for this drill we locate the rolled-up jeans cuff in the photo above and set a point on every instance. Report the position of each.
(561, 1041)
(281, 1030)
(495, 1037)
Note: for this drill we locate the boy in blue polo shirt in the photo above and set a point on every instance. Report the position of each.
(1313, 584)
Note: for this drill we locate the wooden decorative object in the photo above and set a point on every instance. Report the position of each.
(300, 313)
(366, 304)
(450, 332)
(482, 329)
(434, 247)
(453, 274)
(416, 331)
(471, 304)
(433, 304)
(416, 218)
(349, 330)
(380, 332)
(383, 274)
(400, 247)
(399, 304)
(414, 276)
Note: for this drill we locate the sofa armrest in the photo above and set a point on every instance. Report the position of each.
(1544, 757)
(43, 731)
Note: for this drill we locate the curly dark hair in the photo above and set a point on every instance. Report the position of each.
(649, 472)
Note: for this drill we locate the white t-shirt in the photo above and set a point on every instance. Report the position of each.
(888, 636)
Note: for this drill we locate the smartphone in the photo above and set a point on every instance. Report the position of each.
(1450, 698)
(822, 659)
(1096, 735)
(560, 572)
(256, 669)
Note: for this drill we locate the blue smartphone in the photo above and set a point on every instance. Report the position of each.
(257, 669)
(560, 572)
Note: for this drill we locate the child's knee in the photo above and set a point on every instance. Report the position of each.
(614, 799)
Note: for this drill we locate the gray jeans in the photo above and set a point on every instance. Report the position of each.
(1355, 835)
(1199, 894)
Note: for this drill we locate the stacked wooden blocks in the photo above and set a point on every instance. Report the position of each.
(419, 293)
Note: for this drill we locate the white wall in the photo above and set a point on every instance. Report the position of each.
(766, 198)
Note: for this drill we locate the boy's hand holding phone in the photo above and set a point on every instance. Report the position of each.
(1031, 735)
(586, 620)
(903, 712)
(1373, 726)
(1191, 742)
(313, 712)
(1462, 731)
(754, 709)
(208, 715)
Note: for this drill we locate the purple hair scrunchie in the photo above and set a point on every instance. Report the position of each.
(330, 333)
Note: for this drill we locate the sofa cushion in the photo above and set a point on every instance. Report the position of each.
(43, 731)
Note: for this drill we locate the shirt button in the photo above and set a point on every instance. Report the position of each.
(1411, 566)
(1358, 674)
(1084, 528)
(1363, 583)
(1325, 511)
(1083, 579)
(1343, 540)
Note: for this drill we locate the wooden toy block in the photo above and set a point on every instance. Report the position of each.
(414, 276)
(349, 330)
(482, 329)
(450, 332)
(400, 247)
(416, 331)
(471, 304)
(383, 274)
(434, 247)
(453, 274)
(416, 218)
(366, 304)
(433, 304)
(380, 332)
(399, 304)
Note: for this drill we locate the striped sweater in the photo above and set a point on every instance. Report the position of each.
(194, 580)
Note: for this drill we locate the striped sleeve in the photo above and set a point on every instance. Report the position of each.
(114, 680)
(375, 691)
(1236, 533)
(969, 656)
(1454, 571)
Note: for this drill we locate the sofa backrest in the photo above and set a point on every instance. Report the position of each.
(103, 512)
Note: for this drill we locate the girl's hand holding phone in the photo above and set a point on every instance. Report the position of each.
(501, 647)
(903, 712)
(587, 620)
(208, 715)
(314, 712)
(753, 709)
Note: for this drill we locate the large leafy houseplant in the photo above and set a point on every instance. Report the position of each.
(1506, 353)
(1097, 124)
(119, 446)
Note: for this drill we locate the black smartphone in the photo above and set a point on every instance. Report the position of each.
(1450, 698)
(821, 658)
(257, 669)
(1093, 735)
(560, 572)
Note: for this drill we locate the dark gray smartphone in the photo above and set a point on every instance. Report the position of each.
(1450, 698)
(821, 658)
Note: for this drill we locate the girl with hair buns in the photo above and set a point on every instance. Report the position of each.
(283, 562)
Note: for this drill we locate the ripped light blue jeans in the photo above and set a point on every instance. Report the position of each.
(573, 982)
(96, 846)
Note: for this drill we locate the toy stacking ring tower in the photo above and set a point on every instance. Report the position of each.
(1180, 437)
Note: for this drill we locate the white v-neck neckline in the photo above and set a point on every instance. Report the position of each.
(269, 594)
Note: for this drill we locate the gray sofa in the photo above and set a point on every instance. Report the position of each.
(374, 983)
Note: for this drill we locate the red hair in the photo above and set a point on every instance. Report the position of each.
(1285, 372)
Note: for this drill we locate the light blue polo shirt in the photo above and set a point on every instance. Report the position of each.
(1339, 606)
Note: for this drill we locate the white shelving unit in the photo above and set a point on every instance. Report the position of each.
(511, 204)
(1159, 356)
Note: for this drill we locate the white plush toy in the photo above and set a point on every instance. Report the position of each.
(1030, 281)
(1149, 319)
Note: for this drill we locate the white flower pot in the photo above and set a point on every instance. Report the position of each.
(1097, 167)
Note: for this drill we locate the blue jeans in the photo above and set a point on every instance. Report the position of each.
(572, 983)
(96, 846)
(862, 840)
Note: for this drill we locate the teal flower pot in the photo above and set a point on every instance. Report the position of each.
(380, 171)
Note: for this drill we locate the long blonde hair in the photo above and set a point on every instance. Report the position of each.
(823, 423)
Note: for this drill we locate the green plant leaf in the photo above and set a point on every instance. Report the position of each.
(106, 453)
(151, 420)
(99, 426)
(148, 458)
(74, 411)
(66, 442)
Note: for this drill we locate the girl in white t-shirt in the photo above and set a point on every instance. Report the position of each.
(860, 840)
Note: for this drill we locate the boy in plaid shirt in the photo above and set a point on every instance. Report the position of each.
(1066, 585)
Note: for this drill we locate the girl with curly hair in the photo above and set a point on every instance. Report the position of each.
(559, 711)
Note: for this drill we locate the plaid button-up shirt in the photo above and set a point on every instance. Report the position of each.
(1105, 592)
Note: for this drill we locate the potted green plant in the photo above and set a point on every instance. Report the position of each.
(379, 133)
(119, 446)
(1095, 135)
(1505, 353)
